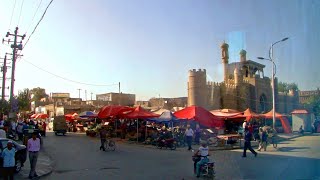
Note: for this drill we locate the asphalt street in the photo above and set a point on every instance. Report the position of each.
(77, 156)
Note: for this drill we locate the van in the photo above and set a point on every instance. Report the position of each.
(60, 125)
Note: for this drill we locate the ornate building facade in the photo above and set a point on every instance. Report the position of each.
(244, 86)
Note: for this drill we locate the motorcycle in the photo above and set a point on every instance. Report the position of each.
(166, 143)
(207, 170)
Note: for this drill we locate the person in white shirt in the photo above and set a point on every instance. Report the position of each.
(189, 135)
(203, 152)
(244, 125)
(3, 133)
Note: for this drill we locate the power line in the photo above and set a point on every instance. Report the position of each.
(38, 23)
(34, 16)
(70, 80)
(20, 12)
(14, 6)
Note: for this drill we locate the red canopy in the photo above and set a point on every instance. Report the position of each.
(250, 114)
(139, 113)
(284, 121)
(71, 117)
(41, 116)
(226, 113)
(33, 116)
(200, 115)
(113, 110)
(270, 115)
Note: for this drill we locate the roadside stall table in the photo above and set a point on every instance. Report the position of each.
(229, 138)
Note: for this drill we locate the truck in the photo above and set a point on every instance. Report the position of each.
(60, 125)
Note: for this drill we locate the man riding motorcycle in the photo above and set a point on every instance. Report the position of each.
(201, 157)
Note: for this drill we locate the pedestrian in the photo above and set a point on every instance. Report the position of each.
(197, 134)
(244, 125)
(3, 133)
(263, 140)
(247, 143)
(33, 149)
(189, 135)
(20, 131)
(8, 156)
(44, 128)
(103, 138)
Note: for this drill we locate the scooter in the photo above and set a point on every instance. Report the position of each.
(207, 170)
(167, 143)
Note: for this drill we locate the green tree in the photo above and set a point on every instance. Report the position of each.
(4, 107)
(314, 103)
(24, 100)
(285, 87)
(38, 93)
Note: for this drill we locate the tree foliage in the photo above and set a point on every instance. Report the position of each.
(285, 87)
(314, 103)
(4, 107)
(24, 100)
(38, 93)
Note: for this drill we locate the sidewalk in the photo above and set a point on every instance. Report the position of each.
(44, 166)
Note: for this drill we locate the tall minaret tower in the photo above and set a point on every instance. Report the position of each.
(225, 60)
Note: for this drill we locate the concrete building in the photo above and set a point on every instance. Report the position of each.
(244, 86)
(304, 96)
(117, 99)
(168, 103)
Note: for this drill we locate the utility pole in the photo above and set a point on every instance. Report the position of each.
(85, 92)
(79, 92)
(4, 70)
(119, 95)
(91, 96)
(15, 48)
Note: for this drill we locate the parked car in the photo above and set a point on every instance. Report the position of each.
(21, 154)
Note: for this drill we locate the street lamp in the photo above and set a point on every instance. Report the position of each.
(273, 76)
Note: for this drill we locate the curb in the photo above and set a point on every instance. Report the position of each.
(44, 166)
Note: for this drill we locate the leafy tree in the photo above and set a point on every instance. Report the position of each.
(285, 87)
(314, 103)
(24, 100)
(4, 107)
(38, 93)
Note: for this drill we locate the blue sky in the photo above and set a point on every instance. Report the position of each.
(149, 45)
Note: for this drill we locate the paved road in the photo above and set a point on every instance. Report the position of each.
(78, 157)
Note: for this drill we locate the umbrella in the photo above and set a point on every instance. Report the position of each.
(113, 110)
(88, 114)
(71, 117)
(41, 116)
(200, 115)
(33, 116)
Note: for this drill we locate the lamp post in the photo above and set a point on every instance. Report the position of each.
(273, 76)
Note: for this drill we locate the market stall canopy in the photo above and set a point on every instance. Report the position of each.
(41, 116)
(200, 115)
(33, 116)
(165, 117)
(160, 111)
(284, 121)
(249, 114)
(300, 111)
(139, 113)
(88, 114)
(113, 110)
(71, 117)
(270, 114)
(226, 113)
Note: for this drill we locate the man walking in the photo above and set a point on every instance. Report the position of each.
(189, 135)
(263, 140)
(8, 161)
(33, 148)
(247, 143)
(103, 138)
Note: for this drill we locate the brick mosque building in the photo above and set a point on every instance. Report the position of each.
(244, 86)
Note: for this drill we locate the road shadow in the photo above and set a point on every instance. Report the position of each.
(288, 149)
